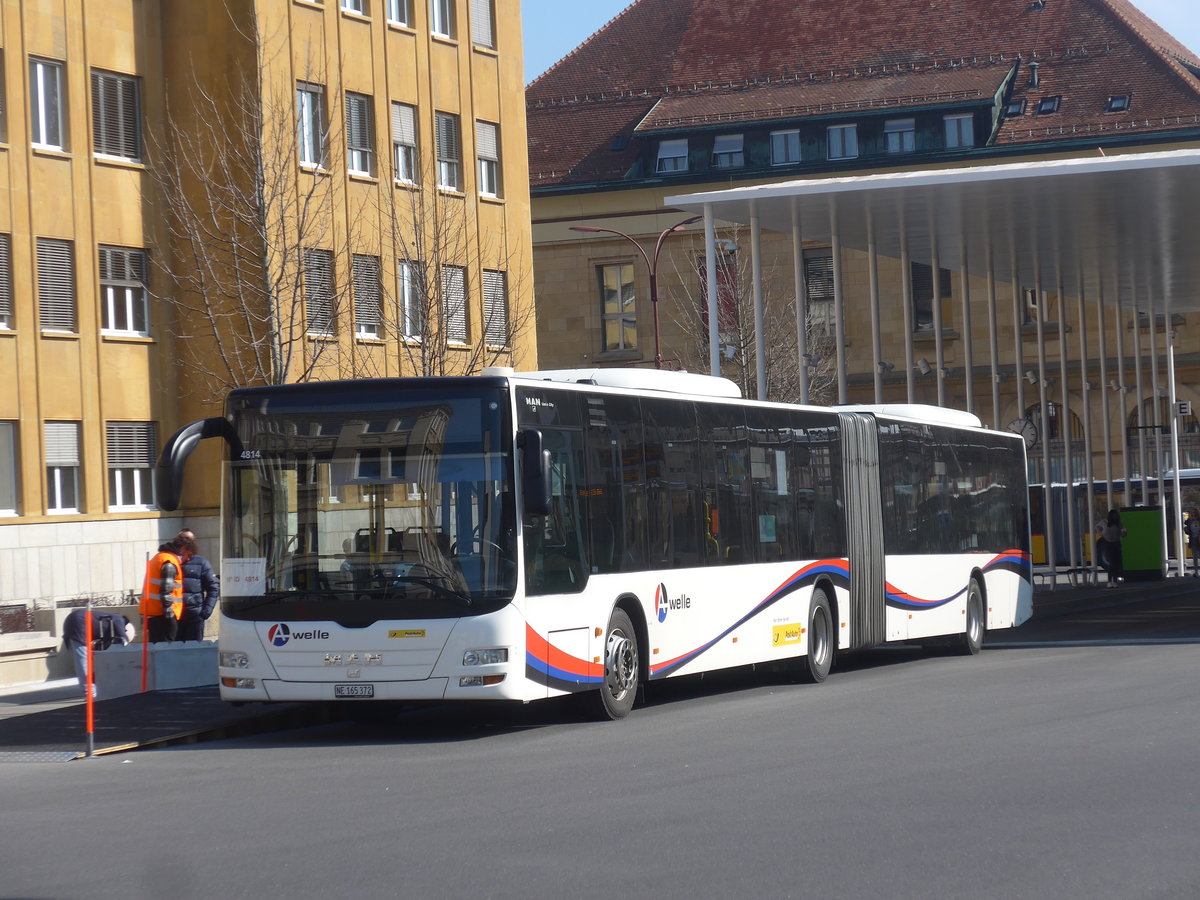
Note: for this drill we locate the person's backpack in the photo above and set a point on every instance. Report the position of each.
(104, 633)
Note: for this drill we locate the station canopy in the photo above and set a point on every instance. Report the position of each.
(1123, 228)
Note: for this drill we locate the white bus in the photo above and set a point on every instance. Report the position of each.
(524, 536)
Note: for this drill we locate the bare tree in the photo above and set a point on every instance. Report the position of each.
(443, 324)
(688, 311)
(243, 222)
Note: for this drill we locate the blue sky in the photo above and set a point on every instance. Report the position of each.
(553, 28)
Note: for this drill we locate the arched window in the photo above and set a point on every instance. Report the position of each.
(1141, 419)
(1058, 422)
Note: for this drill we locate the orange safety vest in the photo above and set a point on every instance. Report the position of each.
(152, 601)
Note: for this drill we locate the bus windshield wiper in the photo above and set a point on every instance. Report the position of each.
(432, 585)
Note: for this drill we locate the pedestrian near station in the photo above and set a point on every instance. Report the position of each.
(162, 592)
(201, 590)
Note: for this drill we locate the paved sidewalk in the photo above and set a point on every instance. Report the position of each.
(46, 722)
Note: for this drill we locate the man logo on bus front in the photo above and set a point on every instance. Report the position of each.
(278, 634)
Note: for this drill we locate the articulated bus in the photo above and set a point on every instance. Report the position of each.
(525, 536)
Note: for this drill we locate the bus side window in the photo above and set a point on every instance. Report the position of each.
(554, 558)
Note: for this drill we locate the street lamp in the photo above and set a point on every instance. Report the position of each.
(652, 265)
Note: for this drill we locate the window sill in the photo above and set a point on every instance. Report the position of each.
(401, 26)
(450, 192)
(118, 162)
(928, 337)
(60, 335)
(354, 15)
(492, 198)
(370, 340)
(318, 338)
(117, 337)
(51, 152)
(362, 177)
(405, 185)
(446, 39)
(6, 332)
(486, 51)
(618, 355)
(314, 170)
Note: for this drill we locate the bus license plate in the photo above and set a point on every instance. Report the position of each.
(357, 691)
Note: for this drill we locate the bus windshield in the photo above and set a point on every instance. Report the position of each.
(358, 507)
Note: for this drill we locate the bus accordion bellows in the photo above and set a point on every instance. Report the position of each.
(524, 536)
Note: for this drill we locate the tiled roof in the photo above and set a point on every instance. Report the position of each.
(698, 60)
(797, 99)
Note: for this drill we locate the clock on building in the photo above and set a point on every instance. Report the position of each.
(1026, 429)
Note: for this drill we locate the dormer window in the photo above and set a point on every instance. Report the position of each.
(1117, 103)
(785, 147)
(1049, 104)
(960, 131)
(672, 156)
(900, 135)
(727, 152)
(1015, 107)
(843, 141)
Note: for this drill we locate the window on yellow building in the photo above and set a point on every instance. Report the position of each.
(360, 135)
(483, 24)
(454, 304)
(131, 448)
(116, 115)
(412, 321)
(310, 123)
(8, 468)
(123, 291)
(449, 152)
(46, 104)
(442, 18)
(318, 291)
(6, 298)
(399, 12)
(56, 285)
(487, 146)
(62, 467)
(404, 143)
(367, 290)
(495, 308)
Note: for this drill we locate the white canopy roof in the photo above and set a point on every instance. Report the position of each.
(1124, 227)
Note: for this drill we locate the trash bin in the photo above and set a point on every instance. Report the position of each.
(1142, 547)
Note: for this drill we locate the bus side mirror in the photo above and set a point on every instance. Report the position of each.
(535, 473)
(168, 475)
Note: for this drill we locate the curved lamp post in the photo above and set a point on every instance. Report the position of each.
(652, 265)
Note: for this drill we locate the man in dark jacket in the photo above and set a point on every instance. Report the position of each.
(201, 590)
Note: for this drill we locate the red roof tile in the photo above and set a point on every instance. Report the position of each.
(713, 58)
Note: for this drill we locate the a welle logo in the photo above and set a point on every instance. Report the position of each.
(279, 634)
(663, 603)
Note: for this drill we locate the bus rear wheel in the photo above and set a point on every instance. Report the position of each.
(815, 666)
(970, 642)
(615, 698)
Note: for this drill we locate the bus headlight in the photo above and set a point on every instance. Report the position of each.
(485, 657)
(234, 659)
(228, 682)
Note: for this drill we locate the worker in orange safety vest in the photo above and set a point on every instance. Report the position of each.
(162, 592)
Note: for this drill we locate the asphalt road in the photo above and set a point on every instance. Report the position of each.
(1061, 762)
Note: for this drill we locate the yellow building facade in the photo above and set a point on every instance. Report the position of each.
(204, 195)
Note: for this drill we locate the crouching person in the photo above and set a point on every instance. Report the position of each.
(108, 628)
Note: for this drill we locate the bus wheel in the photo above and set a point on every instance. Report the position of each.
(814, 668)
(615, 698)
(970, 641)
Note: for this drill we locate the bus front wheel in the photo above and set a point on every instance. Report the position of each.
(815, 666)
(971, 640)
(615, 698)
